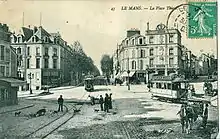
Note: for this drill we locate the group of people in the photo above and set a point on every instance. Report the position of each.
(107, 101)
(188, 115)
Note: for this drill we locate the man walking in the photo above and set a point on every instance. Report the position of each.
(182, 114)
(101, 101)
(60, 103)
(205, 116)
(106, 103)
(110, 101)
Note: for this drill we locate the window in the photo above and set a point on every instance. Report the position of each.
(54, 63)
(132, 41)
(151, 63)
(46, 51)
(171, 51)
(46, 39)
(7, 53)
(28, 51)
(151, 52)
(142, 53)
(171, 38)
(2, 52)
(37, 63)
(2, 70)
(7, 71)
(133, 65)
(46, 63)
(141, 64)
(169, 86)
(133, 53)
(55, 51)
(28, 63)
(151, 39)
(19, 51)
(34, 39)
(140, 41)
(19, 63)
(19, 40)
(38, 51)
(126, 42)
(171, 62)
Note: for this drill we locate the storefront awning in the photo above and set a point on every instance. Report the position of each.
(125, 74)
(13, 82)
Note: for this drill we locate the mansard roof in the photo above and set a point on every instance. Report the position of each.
(27, 32)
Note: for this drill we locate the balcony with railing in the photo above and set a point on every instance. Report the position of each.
(54, 56)
(46, 55)
(38, 55)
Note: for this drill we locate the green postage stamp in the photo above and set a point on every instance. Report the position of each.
(202, 19)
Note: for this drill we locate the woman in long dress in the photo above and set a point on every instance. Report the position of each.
(200, 18)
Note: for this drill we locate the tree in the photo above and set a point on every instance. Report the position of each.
(106, 65)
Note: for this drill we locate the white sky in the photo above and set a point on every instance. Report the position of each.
(92, 22)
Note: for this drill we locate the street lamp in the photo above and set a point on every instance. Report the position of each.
(147, 76)
(128, 80)
(30, 77)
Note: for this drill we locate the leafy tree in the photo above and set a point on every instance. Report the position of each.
(106, 65)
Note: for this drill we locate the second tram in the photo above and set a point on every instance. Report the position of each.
(165, 87)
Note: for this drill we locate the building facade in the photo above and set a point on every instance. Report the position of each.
(44, 59)
(206, 65)
(8, 69)
(158, 52)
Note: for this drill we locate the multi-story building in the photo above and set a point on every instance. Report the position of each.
(8, 69)
(44, 59)
(159, 52)
(206, 65)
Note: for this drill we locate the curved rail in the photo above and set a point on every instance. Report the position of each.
(42, 128)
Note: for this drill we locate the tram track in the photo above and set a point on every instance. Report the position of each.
(9, 111)
(42, 128)
(47, 129)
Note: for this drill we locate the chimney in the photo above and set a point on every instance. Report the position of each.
(132, 32)
(35, 29)
(147, 26)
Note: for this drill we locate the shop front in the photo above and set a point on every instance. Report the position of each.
(8, 91)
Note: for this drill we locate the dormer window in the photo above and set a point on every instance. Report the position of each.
(34, 39)
(126, 42)
(141, 41)
(19, 39)
(151, 39)
(12, 39)
(46, 39)
(132, 41)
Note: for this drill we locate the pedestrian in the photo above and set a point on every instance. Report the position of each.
(205, 116)
(189, 118)
(106, 103)
(60, 103)
(110, 101)
(182, 114)
(193, 91)
(92, 100)
(101, 101)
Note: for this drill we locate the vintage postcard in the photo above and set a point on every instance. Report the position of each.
(92, 69)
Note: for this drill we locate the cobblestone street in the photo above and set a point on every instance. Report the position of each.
(134, 116)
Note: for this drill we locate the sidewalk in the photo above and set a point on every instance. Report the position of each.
(21, 105)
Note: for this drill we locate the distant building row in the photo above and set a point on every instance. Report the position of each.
(158, 52)
(42, 59)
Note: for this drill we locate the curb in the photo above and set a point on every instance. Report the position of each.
(17, 109)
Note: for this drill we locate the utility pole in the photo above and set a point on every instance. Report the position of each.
(30, 77)
(128, 75)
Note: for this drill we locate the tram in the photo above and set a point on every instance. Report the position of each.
(89, 83)
(168, 88)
